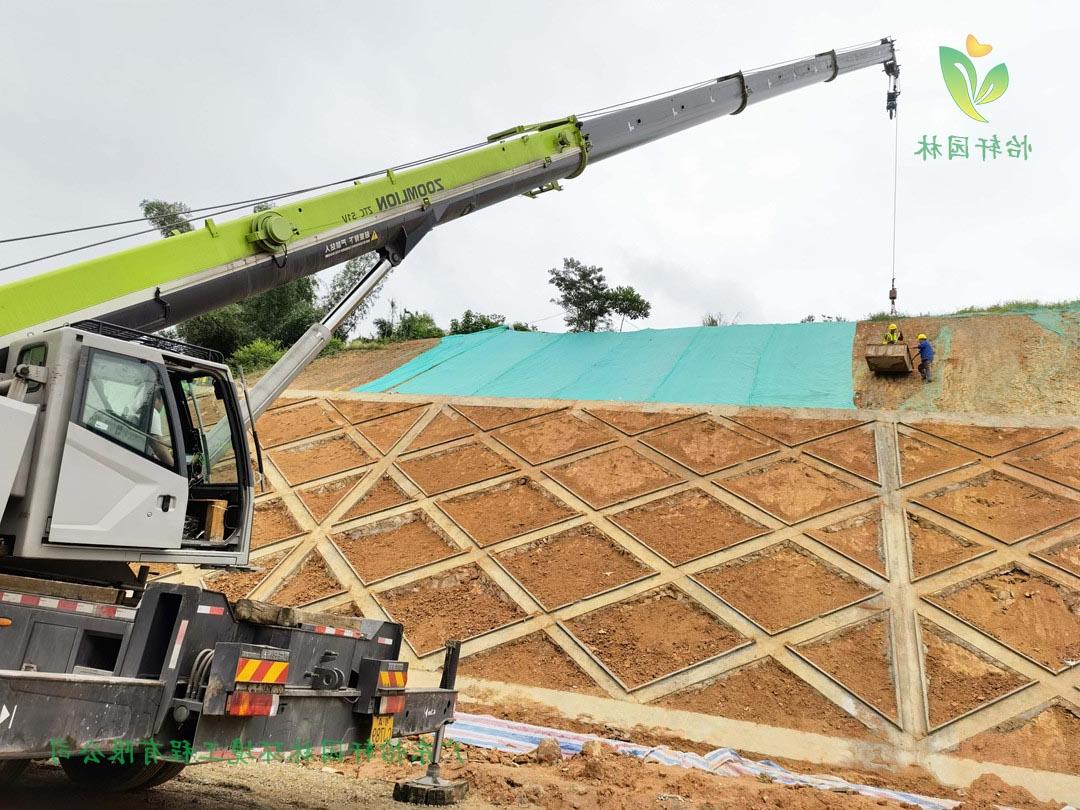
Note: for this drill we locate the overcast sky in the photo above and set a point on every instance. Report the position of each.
(780, 212)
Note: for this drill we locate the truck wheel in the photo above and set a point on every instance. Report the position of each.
(10, 770)
(169, 770)
(110, 777)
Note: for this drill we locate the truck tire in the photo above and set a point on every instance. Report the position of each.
(110, 777)
(10, 770)
(169, 770)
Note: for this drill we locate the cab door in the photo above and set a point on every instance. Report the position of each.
(122, 481)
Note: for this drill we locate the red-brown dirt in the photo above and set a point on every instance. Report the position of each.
(533, 660)
(934, 548)
(456, 604)
(792, 490)
(1065, 554)
(542, 440)
(858, 538)
(1046, 741)
(288, 425)
(455, 467)
(790, 430)
(652, 635)
(379, 550)
(1057, 459)
(782, 585)
(570, 565)
(852, 450)
(1001, 506)
(238, 584)
(447, 426)
(859, 656)
(990, 441)
(321, 499)
(348, 369)
(688, 525)
(384, 494)
(1024, 610)
(633, 422)
(318, 459)
(357, 410)
(612, 476)
(505, 510)
(920, 459)
(386, 431)
(706, 446)
(272, 522)
(310, 581)
(489, 417)
(959, 679)
(765, 692)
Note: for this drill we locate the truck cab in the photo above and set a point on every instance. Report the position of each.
(125, 447)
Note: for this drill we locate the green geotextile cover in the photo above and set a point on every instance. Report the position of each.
(789, 365)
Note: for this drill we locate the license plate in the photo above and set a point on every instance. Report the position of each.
(382, 728)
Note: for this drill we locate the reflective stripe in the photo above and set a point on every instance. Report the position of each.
(67, 605)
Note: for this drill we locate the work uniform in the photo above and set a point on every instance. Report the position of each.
(926, 360)
(893, 335)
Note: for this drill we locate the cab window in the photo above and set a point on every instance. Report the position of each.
(124, 401)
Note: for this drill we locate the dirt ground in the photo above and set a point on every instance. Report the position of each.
(321, 500)
(385, 494)
(489, 417)
(598, 778)
(793, 490)
(854, 451)
(766, 692)
(634, 638)
(311, 580)
(445, 427)
(782, 586)
(505, 510)
(860, 657)
(705, 446)
(633, 422)
(570, 565)
(958, 679)
(1047, 740)
(792, 431)
(612, 476)
(456, 467)
(1001, 506)
(282, 425)
(542, 440)
(858, 538)
(1024, 610)
(533, 660)
(920, 459)
(380, 550)
(989, 364)
(386, 431)
(688, 525)
(934, 549)
(272, 522)
(318, 458)
(460, 603)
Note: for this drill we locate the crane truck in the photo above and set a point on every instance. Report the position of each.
(121, 447)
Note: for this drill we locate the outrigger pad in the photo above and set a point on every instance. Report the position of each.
(431, 790)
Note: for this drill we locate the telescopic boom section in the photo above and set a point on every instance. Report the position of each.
(168, 281)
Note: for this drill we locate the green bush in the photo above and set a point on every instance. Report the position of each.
(256, 355)
(334, 345)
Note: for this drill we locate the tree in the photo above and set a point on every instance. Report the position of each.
(626, 302)
(167, 216)
(521, 326)
(416, 325)
(475, 322)
(587, 300)
(718, 319)
(342, 283)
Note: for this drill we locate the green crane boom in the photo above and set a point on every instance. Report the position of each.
(164, 282)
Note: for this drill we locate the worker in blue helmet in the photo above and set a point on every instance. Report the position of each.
(926, 359)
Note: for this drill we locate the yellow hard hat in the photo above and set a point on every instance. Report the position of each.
(922, 336)
(892, 327)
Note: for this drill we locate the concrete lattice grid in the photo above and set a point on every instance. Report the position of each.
(896, 588)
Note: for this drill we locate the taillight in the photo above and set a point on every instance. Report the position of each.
(252, 704)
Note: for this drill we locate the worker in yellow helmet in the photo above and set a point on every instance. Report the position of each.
(893, 335)
(926, 358)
